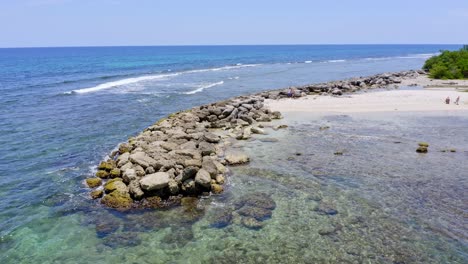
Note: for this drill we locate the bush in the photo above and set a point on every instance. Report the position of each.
(448, 65)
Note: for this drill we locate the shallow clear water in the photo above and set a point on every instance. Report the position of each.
(392, 204)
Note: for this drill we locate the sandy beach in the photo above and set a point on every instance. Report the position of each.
(430, 98)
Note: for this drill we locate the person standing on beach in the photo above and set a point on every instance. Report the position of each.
(447, 100)
(457, 100)
(290, 92)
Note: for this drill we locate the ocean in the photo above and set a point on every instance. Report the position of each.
(62, 110)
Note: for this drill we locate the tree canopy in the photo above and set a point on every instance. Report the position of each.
(448, 65)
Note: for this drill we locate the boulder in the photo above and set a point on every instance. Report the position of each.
(173, 187)
(115, 184)
(129, 175)
(135, 190)
(169, 146)
(123, 159)
(220, 179)
(188, 145)
(206, 148)
(211, 138)
(209, 166)
(142, 159)
(220, 167)
(155, 181)
(189, 173)
(115, 173)
(336, 91)
(257, 130)
(126, 166)
(276, 115)
(216, 188)
(117, 199)
(193, 163)
(107, 166)
(236, 158)
(97, 194)
(102, 174)
(189, 187)
(93, 182)
(203, 178)
(124, 148)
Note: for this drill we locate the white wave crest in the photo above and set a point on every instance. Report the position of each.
(307, 62)
(333, 61)
(410, 56)
(203, 87)
(113, 84)
(127, 81)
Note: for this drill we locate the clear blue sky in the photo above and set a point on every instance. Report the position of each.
(197, 22)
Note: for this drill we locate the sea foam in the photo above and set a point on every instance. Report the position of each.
(203, 87)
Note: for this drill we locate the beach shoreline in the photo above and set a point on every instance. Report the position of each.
(188, 154)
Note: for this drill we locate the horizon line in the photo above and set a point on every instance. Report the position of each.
(231, 45)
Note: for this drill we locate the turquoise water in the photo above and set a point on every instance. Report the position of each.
(62, 110)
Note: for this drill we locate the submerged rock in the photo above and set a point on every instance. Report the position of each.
(124, 240)
(179, 237)
(220, 218)
(326, 208)
(258, 213)
(252, 223)
(236, 158)
(422, 149)
(260, 200)
(117, 199)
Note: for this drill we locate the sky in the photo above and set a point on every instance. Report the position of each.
(52, 23)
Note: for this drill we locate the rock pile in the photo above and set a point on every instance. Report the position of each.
(182, 155)
(346, 86)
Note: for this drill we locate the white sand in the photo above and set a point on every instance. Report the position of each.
(379, 101)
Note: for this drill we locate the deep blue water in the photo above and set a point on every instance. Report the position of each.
(64, 109)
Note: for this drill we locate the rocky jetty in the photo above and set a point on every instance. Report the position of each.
(186, 153)
(181, 155)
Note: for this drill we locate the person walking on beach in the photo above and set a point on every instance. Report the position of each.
(290, 92)
(457, 100)
(447, 100)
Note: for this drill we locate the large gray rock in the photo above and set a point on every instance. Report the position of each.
(129, 175)
(212, 138)
(209, 166)
(135, 190)
(236, 158)
(169, 146)
(206, 148)
(191, 153)
(257, 130)
(123, 159)
(142, 159)
(155, 181)
(203, 178)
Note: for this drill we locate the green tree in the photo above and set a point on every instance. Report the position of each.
(448, 65)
